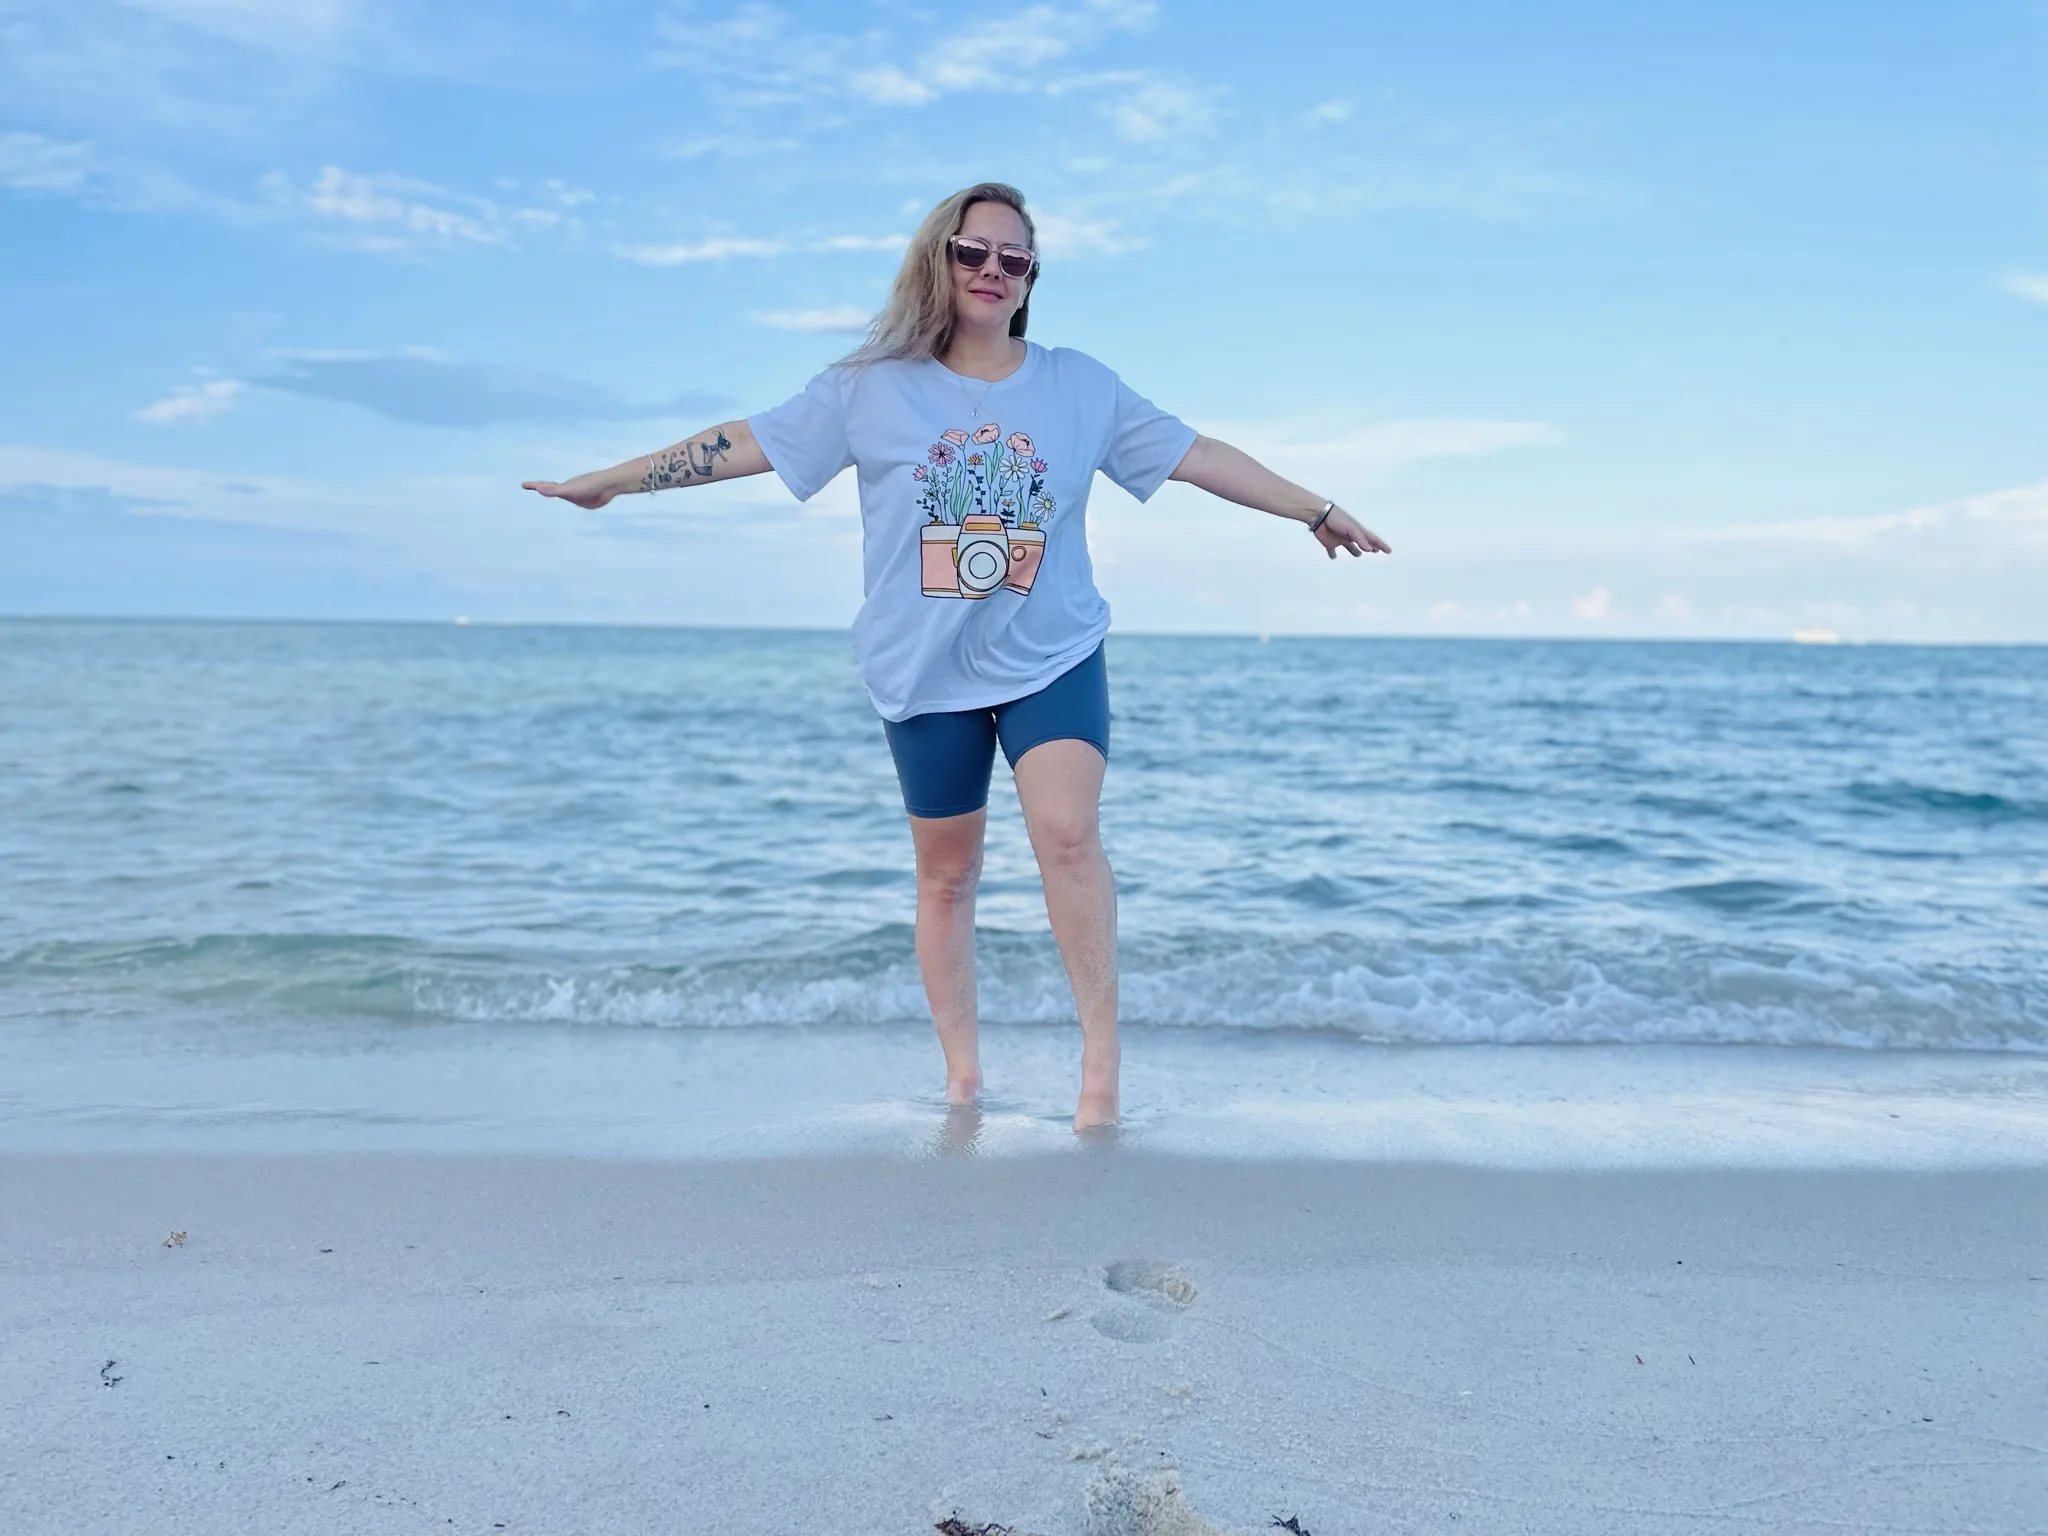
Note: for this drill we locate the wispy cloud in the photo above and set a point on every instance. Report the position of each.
(394, 212)
(162, 486)
(403, 214)
(425, 389)
(767, 58)
(33, 163)
(2010, 523)
(282, 24)
(1060, 236)
(1157, 110)
(846, 320)
(725, 247)
(2028, 285)
(1004, 54)
(860, 243)
(734, 146)
(192, 404)
(718, 248)
(1594, 606)
(1367, 453)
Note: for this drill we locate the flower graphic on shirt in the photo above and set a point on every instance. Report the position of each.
(986, 513)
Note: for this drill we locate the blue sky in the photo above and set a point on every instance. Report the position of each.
(1617, 319)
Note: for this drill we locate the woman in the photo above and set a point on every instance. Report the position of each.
(982, 626)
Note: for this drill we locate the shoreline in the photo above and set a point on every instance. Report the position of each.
(549, 1089)
(446, 1342)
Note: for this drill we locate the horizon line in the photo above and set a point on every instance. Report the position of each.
(1817, 640)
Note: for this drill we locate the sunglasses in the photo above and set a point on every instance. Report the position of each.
(973, 253)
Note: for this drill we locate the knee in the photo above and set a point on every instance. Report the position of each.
(1067, 842)
(948, 880)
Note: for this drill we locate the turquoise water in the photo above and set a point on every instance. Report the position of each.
(257, 831)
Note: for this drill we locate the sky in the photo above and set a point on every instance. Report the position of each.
(1679, 320)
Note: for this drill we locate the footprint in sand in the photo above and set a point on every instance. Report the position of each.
(1141, 1277)
(1131, 1325)
(1156, 1293)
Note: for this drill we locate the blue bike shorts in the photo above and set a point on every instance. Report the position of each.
(943, 759)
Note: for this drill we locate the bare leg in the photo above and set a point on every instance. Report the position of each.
(1060, 785)
(948, 871)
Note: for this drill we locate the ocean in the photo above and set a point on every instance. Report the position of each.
(231, 843)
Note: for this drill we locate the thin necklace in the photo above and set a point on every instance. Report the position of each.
(974, 401)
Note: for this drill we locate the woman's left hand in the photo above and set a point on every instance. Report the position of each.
(1341, 530)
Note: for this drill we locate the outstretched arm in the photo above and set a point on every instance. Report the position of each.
(1235, 475)
(724, 452)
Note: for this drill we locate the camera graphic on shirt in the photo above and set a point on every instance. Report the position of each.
(979, 556)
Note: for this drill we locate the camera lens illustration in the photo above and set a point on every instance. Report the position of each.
(984, 556)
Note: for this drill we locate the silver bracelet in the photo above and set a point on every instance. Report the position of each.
(1322, 516)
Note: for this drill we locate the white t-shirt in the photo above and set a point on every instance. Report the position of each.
(973, 497)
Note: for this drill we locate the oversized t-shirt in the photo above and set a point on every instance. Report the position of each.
(973, 497)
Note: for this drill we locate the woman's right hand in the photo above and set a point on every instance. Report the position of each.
(591, 491)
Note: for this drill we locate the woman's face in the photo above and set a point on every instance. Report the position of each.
(987, 297)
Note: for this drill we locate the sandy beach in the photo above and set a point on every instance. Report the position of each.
(1103, 1342)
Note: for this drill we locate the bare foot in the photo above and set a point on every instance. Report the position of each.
(1095, 1111)
(1098, 1106)
(962, 1047)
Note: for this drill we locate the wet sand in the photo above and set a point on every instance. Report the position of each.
(382, 1342)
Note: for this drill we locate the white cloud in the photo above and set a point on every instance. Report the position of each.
(1594, 606)
(769, 59)
(2028, 285)
(718, 248)
(1675, 605)
(393, 213)
(734, 146)
(194, 402)
(153, 486)
(1332, 111)
(845, 320)
(1368, 453)
(389, 200)
(1005, 54)
(1162, 109)
(264, 23)
(1059, 236)
(2007, 523)
(889, 86)
(721, 247)
(861, 243)
(30, 162)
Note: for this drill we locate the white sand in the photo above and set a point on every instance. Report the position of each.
(853, 1346)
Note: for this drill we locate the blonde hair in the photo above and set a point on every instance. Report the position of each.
(918, 319)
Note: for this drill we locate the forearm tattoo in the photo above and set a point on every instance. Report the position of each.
(684, 462)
